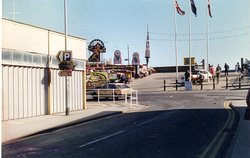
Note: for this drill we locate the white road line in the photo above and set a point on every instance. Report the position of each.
(146, 122)
(114, 134)
(100, 139)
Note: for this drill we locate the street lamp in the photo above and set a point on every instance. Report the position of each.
(128, 55)
(66, 79)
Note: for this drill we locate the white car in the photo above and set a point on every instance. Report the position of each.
(111, 90)
(206, 74)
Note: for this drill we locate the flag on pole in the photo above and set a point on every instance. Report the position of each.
(178, 9)
(193, 7)
(209, 10)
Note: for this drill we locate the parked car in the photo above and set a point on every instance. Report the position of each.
(111, 90)
(201, 73)
(196, 75)
(206, 74)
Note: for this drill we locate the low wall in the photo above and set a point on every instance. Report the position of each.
(171, 69)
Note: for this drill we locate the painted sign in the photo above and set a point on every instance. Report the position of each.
(97, 47)
(136, 59)
(96, 79)
(117, 57)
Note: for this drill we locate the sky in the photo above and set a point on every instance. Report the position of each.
(119, 23)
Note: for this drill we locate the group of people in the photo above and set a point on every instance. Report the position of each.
(216, 72)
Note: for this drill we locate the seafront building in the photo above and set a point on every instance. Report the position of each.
(31, 85)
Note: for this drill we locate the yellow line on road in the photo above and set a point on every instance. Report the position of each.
(218, 140)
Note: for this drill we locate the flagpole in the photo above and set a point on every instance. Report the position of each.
(189, 12)
(176, 49)
(207, 39)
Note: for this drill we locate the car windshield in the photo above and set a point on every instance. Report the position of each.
(123, 86)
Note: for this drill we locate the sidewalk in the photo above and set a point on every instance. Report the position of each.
(240, 147)
(14, 129)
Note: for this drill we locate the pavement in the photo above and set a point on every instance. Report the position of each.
(240, 147)
(20, 128)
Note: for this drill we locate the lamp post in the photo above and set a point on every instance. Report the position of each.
(128, 54)
(66, 79)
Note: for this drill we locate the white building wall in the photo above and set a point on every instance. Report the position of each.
(28, 55)
(17, 36)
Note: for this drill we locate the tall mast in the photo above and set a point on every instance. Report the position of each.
(147, 51)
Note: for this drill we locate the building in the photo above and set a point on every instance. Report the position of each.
(31, 85)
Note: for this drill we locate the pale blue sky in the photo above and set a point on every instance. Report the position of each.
(124, 22)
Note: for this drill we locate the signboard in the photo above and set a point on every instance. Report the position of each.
(96, 46)
(63, 73)
(136, 59)
(117, 57)
(64, 56)
(186, 61)
(65, 61)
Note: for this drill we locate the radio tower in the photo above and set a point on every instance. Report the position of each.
(147, 51)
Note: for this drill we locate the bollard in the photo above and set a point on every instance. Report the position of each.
(247, 112)
(213, 82)
(164, 85)
(201, 84)
(226, 82)
(239, 82)
(176, 85)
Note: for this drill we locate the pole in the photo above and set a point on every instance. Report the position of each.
(190, 71)
(128, 55)
(176, 49)
(66, 79)
(207, 40)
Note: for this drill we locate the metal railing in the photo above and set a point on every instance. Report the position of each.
(130, 96)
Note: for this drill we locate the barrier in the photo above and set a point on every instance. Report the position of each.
(114, 94)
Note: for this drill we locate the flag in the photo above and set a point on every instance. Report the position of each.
(178, 9)
(209, 10)
(193, 7)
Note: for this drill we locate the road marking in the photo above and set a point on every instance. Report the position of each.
(117, 133)
(100, 139)
(146, 122)
(221, 136)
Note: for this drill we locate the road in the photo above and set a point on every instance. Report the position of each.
(163, 130)
(175, 125)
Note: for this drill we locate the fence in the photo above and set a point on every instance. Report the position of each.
(235, 81)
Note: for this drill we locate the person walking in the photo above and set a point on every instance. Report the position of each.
(218, 70)
(226, 67)
(187, 75)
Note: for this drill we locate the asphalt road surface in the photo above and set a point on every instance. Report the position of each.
(175, 125)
